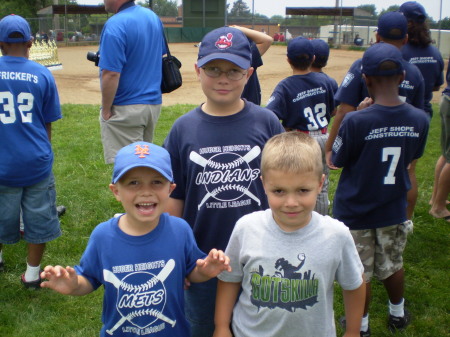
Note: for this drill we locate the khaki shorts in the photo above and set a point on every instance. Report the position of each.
(445, 127)
(128, 124)
(381, 249)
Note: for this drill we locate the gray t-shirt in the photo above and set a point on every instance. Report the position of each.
(288, 277)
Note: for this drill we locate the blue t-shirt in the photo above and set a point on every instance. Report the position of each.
(143, 277)
(252, 90)
(303, 102)
(132, 44)
(28, 101)
(375, 146)
(431, 65)
(216, 165)
(353, 88)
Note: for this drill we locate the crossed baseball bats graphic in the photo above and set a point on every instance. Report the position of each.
(162, 275)
(203, 162)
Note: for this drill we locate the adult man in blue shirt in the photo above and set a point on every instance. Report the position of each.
(131, 49)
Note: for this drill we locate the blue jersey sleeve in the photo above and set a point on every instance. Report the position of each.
(352, 89)
(277, 102)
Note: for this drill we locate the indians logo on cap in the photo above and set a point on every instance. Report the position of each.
(224, 42)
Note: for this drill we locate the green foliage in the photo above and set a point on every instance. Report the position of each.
(82, 181)
(392, 8)
(163, 7)
(370, 8)
(240, 9)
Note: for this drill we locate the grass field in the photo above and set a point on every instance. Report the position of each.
(82, 185)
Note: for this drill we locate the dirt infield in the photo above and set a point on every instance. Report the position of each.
(78, 81)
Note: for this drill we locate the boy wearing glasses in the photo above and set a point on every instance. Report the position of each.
(215, 151)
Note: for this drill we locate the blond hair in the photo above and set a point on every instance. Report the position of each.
(294, 152)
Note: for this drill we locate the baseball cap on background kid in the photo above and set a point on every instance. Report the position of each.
(300, 47)
(392, 25)
(413, 11)
(225, 43)
(321, 49)
(142, 154)
(14, 24)
(379, 53)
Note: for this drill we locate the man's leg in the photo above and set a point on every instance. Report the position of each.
(413, 192)
(439, 206)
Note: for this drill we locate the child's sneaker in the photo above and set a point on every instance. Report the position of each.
(32, 284)
(399, 323)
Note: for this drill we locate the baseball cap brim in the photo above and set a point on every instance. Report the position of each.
(237, 60)
(132, 166)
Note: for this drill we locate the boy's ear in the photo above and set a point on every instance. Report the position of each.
(197, 70)
(367, 80)
(401, 78)
(172, 187)
(115, 191)
(322, 180)
(250, 72)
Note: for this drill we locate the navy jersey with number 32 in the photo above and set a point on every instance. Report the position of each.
(303, 102)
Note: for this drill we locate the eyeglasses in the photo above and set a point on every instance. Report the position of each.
(232, 74)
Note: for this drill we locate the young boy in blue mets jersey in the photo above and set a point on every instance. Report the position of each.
(287, 258)
(374, 147)
(29, 104)
(216, 153)
(304, 102)
(142, 257)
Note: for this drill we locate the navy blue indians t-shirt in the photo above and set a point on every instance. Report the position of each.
(216, 165)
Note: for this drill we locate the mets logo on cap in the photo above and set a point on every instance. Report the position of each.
(224, 42)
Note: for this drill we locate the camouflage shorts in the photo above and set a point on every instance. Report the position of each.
(381, 249)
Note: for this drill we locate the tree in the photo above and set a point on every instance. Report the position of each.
(392, 8)
(163, 7)
(370, 8)
(240, 9)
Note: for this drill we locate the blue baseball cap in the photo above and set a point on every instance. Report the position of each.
(142, 154)
(300, 46)
(225, 43)
(392, 25)
(413, 11)
(379, 53)
(14, 24)
(321, 48)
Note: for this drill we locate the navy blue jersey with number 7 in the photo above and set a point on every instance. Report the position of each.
(374, 147)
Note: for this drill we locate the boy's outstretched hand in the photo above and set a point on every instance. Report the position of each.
(65, 281)
(211, 266)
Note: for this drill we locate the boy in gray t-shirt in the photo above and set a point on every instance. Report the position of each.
(287, 258)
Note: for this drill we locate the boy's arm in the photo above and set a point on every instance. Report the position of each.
(227, 293)
(65, 281)
(354, 309)
(342, 110)
(175, 207)
(210, 267)
(262, 40)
